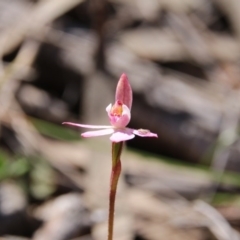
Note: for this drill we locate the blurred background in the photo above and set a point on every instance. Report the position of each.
(61, 60)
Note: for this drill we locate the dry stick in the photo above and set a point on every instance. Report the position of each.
(42, 13)
(27, 133)
(190, 38)
(227, 137)
(98, 10)
(196, 41)
(232, 10)
(116, 170)
(13, 72)
(218, 224)
(9, 82)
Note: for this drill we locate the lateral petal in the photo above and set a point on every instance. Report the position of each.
(144, 133)
(97, 133)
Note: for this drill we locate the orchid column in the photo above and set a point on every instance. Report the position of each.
(119, 115)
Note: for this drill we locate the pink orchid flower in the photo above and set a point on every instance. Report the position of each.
(119, 115)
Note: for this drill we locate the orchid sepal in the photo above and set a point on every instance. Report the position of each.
(124, 91)
(86, 125)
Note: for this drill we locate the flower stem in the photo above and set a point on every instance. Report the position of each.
(116, 170)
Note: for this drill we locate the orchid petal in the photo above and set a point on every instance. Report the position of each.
(144, 133)
(122, 135)
(126, 111)
(108, 108)
(97, 133)
(86, 126)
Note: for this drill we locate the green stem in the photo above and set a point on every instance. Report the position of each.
(116, 170)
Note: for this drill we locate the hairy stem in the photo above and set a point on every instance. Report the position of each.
(116, 170)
